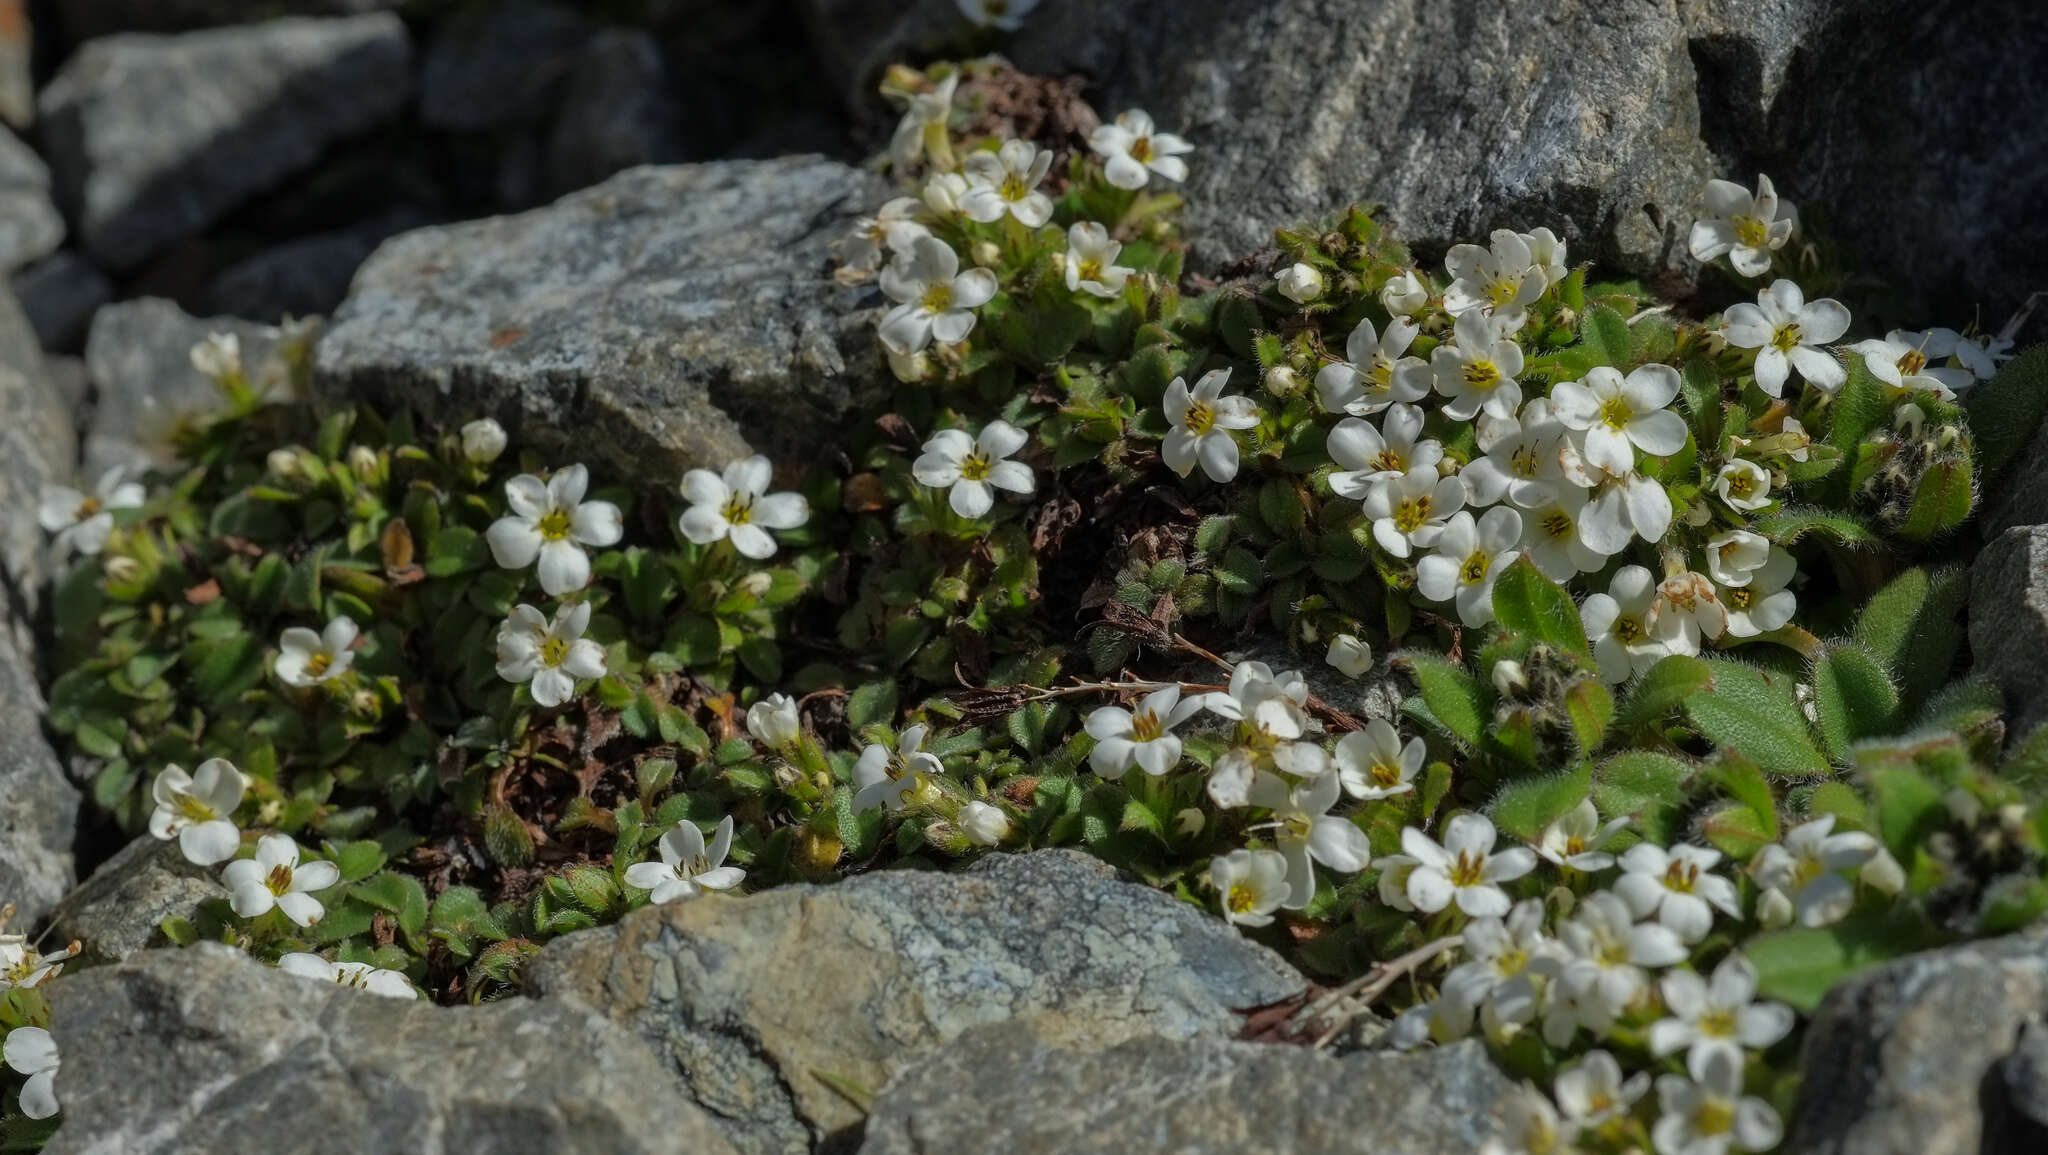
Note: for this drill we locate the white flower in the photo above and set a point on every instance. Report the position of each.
(1981, 354)
(1746, 229)
(1796, 436)
(1574, 839)
(1477, 371)
(1504, 958)
(773, 721)
(973, 468)
(1623, 505)
(1900, 359)
(1408, 512)
(1253, 884)
(1531, 1127)
(983, 824)
(928, 111)
(1300, 283)
(1442, 1021)
(1883, 873)
(1619, 415)
(1712, 1115)
(942, 195)
(1394, 871)
(198, 810)
(687, 868)
(1553, 534)
(892, 230)
(1404, 294)
(550, 656)
(1609, 950)
(1735, 556)
(883, 777)
(1370, 456)
(1468, 558)
(1271, 711)
(1201, 422)
(22, 965)
(1719, 1016)
(32, 1052)
(549, 520)
(483, 440)
(935, 300)
(1787, 331)
(1678, 886)
(82, 521)
(275, 877)
(1090, 261)
(738, 505)
(1503, 278)
(218, 357)
(1594, 1092)
(1373, 763)
(1132, 152)
(1007, 15)
(354, 975)
(1464, 869)
(1743, 485)
(1521, 459)
(1349, 656)
(305, 658)
(1006, 181)
(1688, 602)
(1508, 677)
(1546, 253)
(1376, 372)
(1306, 830)
(1622, 625)
(1812, 866)
(1141, 737)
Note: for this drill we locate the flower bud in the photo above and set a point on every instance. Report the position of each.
(120, 568)
(362, 461)
(1509, 678)
(756, 584)
(1350, 657)
(1189, 821)
(986, 254)
(284, 464)
(219, 356)
(910, 368)
(942, 193)
(483, 440)
(1883, 873)
(1909, 417)
(1281, 381)
(773, 721)
(1403, 294)
(1301, 283)
(1774, 909)
(983, 824)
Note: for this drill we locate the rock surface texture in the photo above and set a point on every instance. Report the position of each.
(116, 913)
(499, 66)
(60, 293)
(2009, 621)
(29, 224)
(1936, 1054)
(85, 19)
(37, 448)
(206, 1049)
(753, 999)
(670, 317)
(1005, 1088)
(138, 356)
(154, 138)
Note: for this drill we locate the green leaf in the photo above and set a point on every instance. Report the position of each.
(1746, 784)
(1794, 522)
(1590, 705)
(1649, 786)
(1941, 502)
(1799, 966)
(871, 704)
(1663, 691)
(1452, 695)
(1532, 605)
(1605, 335)
(2005, 412)
(1909, 807)
(1527, 805)
(1910, 625)
(359, 860)
(1853, 698)
(1756, 715)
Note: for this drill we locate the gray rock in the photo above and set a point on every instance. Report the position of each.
(60, 293)
(118, 912)
(29, 224)
(2023, 1076)
(670, 317)
(38, 808)
(733, 993)
(2009, 621)
(498, 67)
(206, 1049)
(68, 382)
(617, 111)
(307, 276)
(155, 138)
(1904, 1059)
(139, 358)
(86, 19)
(1005, 1088)
(17, 83)
(37, 448)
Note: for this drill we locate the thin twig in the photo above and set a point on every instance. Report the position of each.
(1652, 311)
(1117, 687)
(2021, 315)
(1366, 988)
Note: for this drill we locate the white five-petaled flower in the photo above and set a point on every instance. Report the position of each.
(198, 810)
(1201, 421)
(773, 721)
(942, 195)
(973, 468)
(935, 299)
(1006, 181)
(688, 868)
(984, 824)
(550, 521)
(1575, 837)
(1735, 556)
(1521, 458)
(1300, 283)
(218, 356)
(1546, 253)
(482, 441)
(1623, 627)
(1370, 454)
(1501, 278)
(1476, 372)
(1746, 229)
(1787, 332)
(1531, 1127)
(1376, 371)
(1594, 1092)
(1717, 1015)
(549, 656)
(1142, 736)
(1688, 605)
(1811, 868)
(928, 112)
(1904, 361)
(353, 975)
(1090, 261)
(1007, 15)
(1408, 512)
(1981, 354)
(82, 521)
(276, 877)
(305, 658)
(22, 965)
(1553, 537)
(1744, 485)
(1466, 560)
(1709, 1115)
(1307, 830)
(739, 506)
(883, 777)
(33, 1053)
(1504, 958)
(1609, 950)
(1619, 415)
(1373, 762)
(1348, 656)
(1253, 884)
(892, 230)
(1132, 151)
(1678, 885)
(1465, 869)
(1404, 294)
(1762, 603)
(1271, 712)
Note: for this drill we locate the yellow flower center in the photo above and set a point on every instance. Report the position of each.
(1615, 412)
(1741, 485)
(1241, 899)
(554, 524)
(1557, 525)
(738, 509)
(1805, 871)
(1391, 461)
(1411, 513)
(1147, 726)
(319, 664)
(1751, 231)
(1787, 336)
(1200, 418)
(1013, 188)
(1574, 845)
(938, 297)
(87, 508)
(1382, 371)
(1718, 1022)
(1737, 599)
(1384, 774)
(1502, 290)
(279, 880)
(1629, 630)
(1713, 1116)
(1524, 462)
(1469, 869)
(554, 651)
(1681, 876)
(1474, 570)
(190, 808)
(975, 466)
(1612, 951)
(1481, 374)
(1091, 270)
(697, 865)
(1912, 362)
(1141, 149)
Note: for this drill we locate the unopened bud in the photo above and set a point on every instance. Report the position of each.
(362, 461)
(1349, 656)
(1509, 678)
(1189, 821)
(1883, 873)
(983, 824)
(119, 568)
(284, 464)
(910, 368)
(1909, 417)
(987, 254)
(483, 440)
(1301, 283)
(1404, 294)
(1774, 909)
(1281, 381)
(773, 721)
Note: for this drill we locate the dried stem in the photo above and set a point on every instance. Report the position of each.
(1363, 990)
